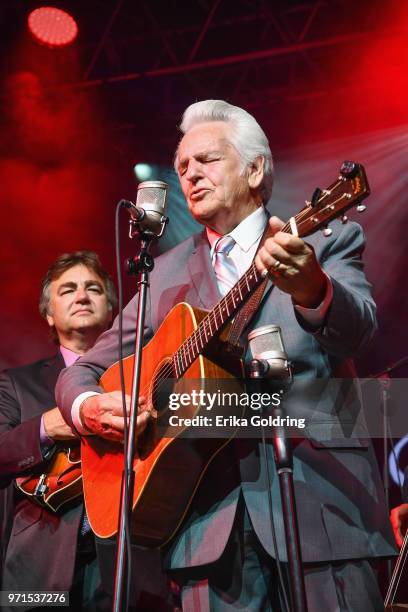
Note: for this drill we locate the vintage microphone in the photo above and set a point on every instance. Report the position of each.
(148, 213)
(269, 354)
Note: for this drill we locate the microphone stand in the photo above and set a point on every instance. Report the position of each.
(143, 264)
(284, 466)
(384, 382)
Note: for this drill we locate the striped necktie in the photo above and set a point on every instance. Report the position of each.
(224, 266)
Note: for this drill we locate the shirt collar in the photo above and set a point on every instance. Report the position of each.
(68, 356)
(246, 233)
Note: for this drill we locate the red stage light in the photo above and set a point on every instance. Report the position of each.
(52, 26)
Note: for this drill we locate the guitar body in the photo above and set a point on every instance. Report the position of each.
(168, 469)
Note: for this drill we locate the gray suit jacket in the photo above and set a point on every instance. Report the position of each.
(338, 490)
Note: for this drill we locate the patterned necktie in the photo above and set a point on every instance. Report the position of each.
(224, 266)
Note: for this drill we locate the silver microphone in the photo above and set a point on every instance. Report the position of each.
(268, 351)
(148, 212)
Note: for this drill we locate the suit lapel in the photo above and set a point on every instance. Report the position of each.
(202, 274)
(52, 368)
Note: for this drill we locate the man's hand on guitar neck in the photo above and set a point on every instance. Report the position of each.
(102, 415)
(292, 265)
(55, 427)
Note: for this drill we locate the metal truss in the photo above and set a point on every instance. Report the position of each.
(236, 46)
(151, 58)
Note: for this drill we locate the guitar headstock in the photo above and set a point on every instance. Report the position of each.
(350, 188)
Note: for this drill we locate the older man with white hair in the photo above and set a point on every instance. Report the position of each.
(223, 556)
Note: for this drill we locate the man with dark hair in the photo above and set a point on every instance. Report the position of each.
(53, 550)
(64, 263)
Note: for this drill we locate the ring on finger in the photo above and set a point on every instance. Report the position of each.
(278, 271)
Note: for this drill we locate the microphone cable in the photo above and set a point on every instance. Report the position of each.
(122, 204)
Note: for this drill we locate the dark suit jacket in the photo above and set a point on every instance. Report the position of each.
(338, 490)
(42, 546)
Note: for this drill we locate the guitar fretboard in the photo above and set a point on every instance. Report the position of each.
(216, 318)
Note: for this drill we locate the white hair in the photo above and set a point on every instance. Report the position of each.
(246, 135)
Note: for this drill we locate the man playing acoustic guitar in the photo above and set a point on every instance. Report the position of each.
(222, 555)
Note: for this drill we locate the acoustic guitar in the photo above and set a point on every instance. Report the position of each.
(169, 469)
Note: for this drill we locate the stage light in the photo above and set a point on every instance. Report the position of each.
(143, 172)
(52, 27)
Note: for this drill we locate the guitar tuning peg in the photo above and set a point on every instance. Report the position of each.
(327, 231)
(361, 208)
(344, 219)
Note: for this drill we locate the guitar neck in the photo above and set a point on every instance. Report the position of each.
(210, 326)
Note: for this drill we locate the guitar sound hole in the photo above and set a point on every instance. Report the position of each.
(161, 386)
